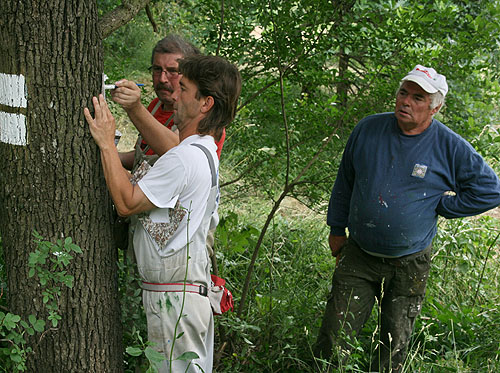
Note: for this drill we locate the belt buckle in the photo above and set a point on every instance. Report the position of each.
(203, 290)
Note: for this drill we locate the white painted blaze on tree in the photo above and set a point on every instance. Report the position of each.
(12, 128)
(13, 94)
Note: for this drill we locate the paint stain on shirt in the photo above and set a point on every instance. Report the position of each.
(382, 202)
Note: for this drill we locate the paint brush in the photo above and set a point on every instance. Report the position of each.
(114, 86)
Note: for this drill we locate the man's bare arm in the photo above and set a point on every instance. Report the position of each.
(159, 138)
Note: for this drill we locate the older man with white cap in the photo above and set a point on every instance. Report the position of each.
(398, 173)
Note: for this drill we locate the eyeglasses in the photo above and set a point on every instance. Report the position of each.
(158, 70)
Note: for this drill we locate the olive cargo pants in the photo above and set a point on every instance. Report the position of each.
(359, 278)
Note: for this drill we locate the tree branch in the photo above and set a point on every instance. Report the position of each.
(151, 19)
(120, 16)
(248, 169)
(484, 268)
(221, 28)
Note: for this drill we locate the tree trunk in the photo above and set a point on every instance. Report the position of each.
(342, 87)
(51, 179)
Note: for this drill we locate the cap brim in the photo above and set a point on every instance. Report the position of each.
(427, 87)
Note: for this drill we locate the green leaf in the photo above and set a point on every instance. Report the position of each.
(68, 281)
(37, 235)
(33, 258)
(189, 355)
(76, 248)
(10, 321)
(15, 357)
(54, 317)
(153, 355)
(39, 326)
(134, 351)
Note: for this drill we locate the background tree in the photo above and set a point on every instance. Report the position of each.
(51, 64)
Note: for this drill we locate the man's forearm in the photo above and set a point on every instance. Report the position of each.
(159, 138)
(128, 198)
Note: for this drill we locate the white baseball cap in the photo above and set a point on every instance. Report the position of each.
(428, 79)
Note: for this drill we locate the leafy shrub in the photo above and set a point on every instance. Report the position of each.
(47, 263)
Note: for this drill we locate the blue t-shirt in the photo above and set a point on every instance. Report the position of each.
(391, 187)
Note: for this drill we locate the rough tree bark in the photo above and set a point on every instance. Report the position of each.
(51, 178)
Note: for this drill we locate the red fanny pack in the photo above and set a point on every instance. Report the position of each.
(220, 297)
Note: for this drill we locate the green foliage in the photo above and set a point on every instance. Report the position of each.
(56, 256)
(230, 233)
(132, 316)
(461, 308)
(47, 263)
(311, 70)
(378, 40)
(138, 348)
(287, 298)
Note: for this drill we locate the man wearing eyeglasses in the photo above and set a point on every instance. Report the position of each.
(165, 74)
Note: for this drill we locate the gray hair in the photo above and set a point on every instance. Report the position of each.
(174, 44)
(436, 100)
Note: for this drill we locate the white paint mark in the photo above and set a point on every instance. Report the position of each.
(382, 202)
(12, 90)
(12, 128)
(103, 90)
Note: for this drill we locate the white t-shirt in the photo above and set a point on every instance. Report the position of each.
(182, 175)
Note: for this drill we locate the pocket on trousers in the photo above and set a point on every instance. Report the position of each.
(414, 307)
(412, 278)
